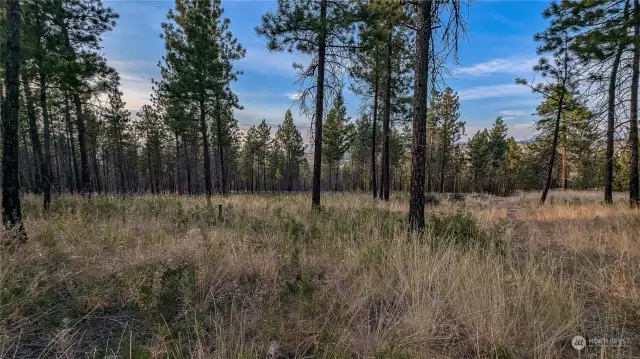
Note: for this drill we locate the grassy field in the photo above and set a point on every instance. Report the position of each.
(166, 277)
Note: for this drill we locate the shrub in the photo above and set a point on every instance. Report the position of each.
(431, 199)
(461, 228)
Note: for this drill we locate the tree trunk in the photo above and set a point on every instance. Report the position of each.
(30, 170)
(564, 164)
(429, 169)
(152, 184)
(386, 122)
(554, 146)
(374, 179)
(177, 169)
(82, 141)
(34, 136)
(223, 173)
(46, 167)
(207, 158)
(611, 113)
(96, 167)
(317, 156)
(71, 144)
(634, 185)
(416, 203)
(188, 164)
(444, 156)
(11, 214)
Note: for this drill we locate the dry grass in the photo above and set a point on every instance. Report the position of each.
(164, 277)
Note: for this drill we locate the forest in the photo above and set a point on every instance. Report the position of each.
(173, 231)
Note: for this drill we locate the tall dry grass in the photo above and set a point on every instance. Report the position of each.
(166, 277)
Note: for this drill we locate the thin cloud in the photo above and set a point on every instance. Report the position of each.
(493, 91)
(514, 113)
(511, 65)
(293, 95)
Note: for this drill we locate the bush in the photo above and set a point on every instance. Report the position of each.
(431, 199)
(461, 228)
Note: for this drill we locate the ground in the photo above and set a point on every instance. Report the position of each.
(170, 277)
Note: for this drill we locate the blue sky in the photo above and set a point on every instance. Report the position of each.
(498, 48)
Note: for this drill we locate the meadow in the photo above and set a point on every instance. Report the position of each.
(170, 277)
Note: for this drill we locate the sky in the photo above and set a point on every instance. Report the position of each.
(498, 47)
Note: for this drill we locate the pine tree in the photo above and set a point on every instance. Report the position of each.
(198, 67)
(290, 140)
(324, 30)
(10, 107)
(448, 127)
(562, 74)
(480, 157)
(81, 24)
(337, 138)
(602, 39)
(117, 120)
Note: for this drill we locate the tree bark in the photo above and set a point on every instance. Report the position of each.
(46, 167)
(317, 156)
(82, 141)
(611, 113)
(634, 185)
(207, 157)
(444, 155)
(34, 136)
(223, 173)
(188, 164)
(11, 213)
(564, 164)
(374, 179)
(416, 203)
(554, 145)
(71, 145)
(386, 122)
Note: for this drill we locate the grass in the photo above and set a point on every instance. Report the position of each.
(166, 277)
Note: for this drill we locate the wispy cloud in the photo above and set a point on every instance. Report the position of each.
(135, 81)
(293, 95)
(493, 91)
(516, 65)
(514, 113)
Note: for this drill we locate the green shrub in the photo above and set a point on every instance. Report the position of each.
(461, 228)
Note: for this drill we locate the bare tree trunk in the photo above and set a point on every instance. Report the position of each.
(317, 156)
(84, 159)
(634, 185)
(34, 136)
(444, 156)
(11, 213)
(46, 168)
(188, 164)
(96, 167)
(223, 173)
(564, 164)
(374, 180)
(416, 203)
(554, 146)
(207, 158)
(71, 144)
(611, 113)
(386, 122)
